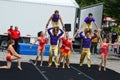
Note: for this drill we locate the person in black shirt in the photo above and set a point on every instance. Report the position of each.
(114, 36)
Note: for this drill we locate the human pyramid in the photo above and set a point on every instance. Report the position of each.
(64, 46)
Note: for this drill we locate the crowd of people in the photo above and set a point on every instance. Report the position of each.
(60, 41)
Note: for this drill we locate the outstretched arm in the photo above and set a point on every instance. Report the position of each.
(48, 21)
(101, 41)
(34, 43)
(96, 25)
(61, 22)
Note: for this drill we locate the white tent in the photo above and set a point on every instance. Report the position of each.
(71, 3)
(31, 16)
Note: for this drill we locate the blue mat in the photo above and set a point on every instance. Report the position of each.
(26, 50)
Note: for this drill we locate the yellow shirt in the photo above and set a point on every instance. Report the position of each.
(119, 39)
(95, 39)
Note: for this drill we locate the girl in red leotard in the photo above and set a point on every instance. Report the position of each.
(41, 47)
(12, 55)
(67, 49)
(104, 52)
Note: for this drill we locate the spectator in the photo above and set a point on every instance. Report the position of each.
(15, 37)
(116, 45)
(114, 36)
(94, 43)
(10, 32)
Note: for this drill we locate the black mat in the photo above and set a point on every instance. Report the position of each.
(78, 73)
(53, 73)
(28, 73)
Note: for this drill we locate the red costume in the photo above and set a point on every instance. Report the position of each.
(67, 49)
(42, 43)
(8, 58)
(104, 49)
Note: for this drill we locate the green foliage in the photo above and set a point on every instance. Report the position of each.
(111, 29)
(115, 28)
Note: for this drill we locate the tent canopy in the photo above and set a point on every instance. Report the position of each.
(71, 3)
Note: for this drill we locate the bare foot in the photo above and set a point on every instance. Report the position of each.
(99, 68)
(56, 66)
(19, 67)
(49, 65)
(104, 69)
(68, 66)
(35, 64)
(63, 66)
(41, 65)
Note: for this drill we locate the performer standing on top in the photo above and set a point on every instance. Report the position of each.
(55, 19)
(88, 23)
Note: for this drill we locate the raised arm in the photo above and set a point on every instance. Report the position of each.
(61, 33)
(101, 41)
(49, 31)
(82, 35)
(74, 35)
(95, 35)
(45, 35)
